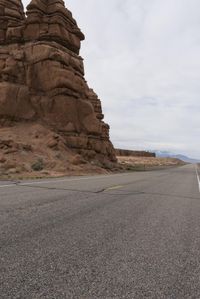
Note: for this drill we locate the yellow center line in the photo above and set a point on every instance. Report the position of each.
(114, 188)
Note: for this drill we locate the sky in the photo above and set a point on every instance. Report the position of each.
(142, 57)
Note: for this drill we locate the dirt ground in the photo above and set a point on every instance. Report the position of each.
(34, 151)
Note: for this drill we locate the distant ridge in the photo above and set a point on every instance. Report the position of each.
(128, 153)
(165, 154)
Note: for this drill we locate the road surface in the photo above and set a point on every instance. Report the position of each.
(132, 236)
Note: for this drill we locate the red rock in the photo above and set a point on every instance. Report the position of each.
(77, 160)
(2, 159)
(52, 143)
(42, 76)
(55, 23)
(11, 19)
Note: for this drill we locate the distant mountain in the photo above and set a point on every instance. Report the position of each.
(165, 154)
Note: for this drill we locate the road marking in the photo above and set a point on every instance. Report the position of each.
(114, 188)
(14, 184)
(10, 185)
(198, 179)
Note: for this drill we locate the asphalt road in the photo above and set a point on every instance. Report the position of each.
(130, 236)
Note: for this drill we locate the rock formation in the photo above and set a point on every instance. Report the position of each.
(51, 21)
(130, 153)
(42, 77)
(11, 21)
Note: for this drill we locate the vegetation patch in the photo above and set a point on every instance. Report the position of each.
(38, 165)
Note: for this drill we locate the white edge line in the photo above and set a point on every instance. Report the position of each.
(60, 181)
(198, 179)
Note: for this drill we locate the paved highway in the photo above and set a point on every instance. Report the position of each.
(130, 236)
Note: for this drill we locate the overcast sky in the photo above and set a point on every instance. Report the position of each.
(142, 57)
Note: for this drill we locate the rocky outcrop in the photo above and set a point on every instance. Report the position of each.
(11, 21)
(50, 20)
(130, 153)
(42, 77)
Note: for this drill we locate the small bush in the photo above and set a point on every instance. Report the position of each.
(38, 165)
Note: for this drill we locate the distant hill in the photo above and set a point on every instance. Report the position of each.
(165, 154)
(129, 153)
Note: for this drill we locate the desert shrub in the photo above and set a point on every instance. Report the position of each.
(38, 165)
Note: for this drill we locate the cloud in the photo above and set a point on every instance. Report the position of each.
(142, 58)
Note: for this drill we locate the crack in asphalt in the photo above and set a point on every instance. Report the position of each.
(107, 192)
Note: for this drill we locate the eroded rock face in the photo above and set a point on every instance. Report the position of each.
(42, 76)
(11, 21)
(50, 20)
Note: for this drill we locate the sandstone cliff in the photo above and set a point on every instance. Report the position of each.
(42, 79)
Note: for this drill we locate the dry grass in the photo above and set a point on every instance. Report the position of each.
(148, 162)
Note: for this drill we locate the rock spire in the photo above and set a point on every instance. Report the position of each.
(11, 20)
(42, 77)
(50, 20)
